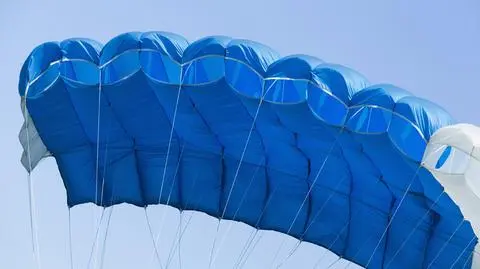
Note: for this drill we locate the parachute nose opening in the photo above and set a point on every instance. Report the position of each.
(160, 67)
(203, 70)
(446, 159)
(369, 119)
(243, 79)
(326, 106)
(121, 67)
(407, 137)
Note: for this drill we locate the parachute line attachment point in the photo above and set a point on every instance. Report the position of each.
(239, 166)
(393, 215)
(329, 152)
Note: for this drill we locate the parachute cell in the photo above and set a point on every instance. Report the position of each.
(453, 157)
(230, 128)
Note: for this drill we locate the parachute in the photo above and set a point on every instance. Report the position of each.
(229, 128)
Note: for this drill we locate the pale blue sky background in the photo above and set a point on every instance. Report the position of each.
(429, 47)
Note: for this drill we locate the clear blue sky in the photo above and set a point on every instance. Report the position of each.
(429, 47)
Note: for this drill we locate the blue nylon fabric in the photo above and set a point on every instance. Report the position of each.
(328, 160)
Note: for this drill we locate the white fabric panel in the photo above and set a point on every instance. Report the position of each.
(465, 137)
(33, 148)
(460, 174)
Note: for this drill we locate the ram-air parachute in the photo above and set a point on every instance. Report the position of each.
(229, 128)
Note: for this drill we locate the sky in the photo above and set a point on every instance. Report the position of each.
(429, 47)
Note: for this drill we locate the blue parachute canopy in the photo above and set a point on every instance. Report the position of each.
(230, 128)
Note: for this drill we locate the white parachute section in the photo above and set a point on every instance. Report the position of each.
(459, 172)
(33, 148)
